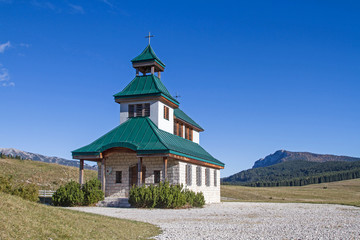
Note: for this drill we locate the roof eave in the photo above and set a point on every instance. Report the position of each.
(118, 97)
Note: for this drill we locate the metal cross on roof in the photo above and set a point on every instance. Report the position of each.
(149, 36)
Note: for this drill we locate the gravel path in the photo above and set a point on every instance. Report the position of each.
(239, 220)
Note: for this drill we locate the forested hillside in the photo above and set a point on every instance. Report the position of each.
(295, 173)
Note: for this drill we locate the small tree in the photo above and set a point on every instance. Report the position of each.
(92, 192)
(69, 195)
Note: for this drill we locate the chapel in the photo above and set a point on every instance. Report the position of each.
(155, 140)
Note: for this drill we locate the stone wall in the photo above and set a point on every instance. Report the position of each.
(123, 160)
(118, 161)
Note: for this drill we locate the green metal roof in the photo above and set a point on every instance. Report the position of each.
(183, 116)
(147, 55)
(147, 85)
(143, 136)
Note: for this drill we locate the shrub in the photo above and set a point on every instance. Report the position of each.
(6, 184)
(28, 192)
(199, 200)
(164, 195)
(25, 191)
(92, 192)
(68, 195)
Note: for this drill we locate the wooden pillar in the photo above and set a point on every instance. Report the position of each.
(165, 175)
(137, 72)
(81, 172)
(159, 74)
(140, 176)
(103, 181)
(152, 70)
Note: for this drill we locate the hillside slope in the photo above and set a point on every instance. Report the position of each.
(46, 175)
(21, 219)
(285, 156)
(42, 158)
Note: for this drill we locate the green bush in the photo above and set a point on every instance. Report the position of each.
(25, 191)
(164, 195)
(6, 184)
(72, 194)
(28, 192)
(92, 192)
(199, 200)
(68, 195)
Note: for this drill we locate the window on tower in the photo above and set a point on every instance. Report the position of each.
(188, 133)
(183, 130)
(139, 110)
(166, 113)
(178, 128)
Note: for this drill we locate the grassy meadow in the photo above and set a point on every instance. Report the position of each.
(343, 192)
(21, 219)
(47, 176)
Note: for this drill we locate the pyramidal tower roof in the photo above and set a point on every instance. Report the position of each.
(145, 86)
(148, 55)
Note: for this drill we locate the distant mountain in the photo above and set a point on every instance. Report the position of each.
(285, 156)
(285, 168)
(41, 158)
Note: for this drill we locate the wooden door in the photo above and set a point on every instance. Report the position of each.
(133, 175)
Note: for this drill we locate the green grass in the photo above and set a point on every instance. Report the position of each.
(343, 192)
(21, 219)
(47, 176)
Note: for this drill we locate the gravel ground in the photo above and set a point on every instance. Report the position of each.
(240, 220)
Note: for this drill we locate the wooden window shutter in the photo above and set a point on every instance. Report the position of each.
(188, 175)
(181, 127)
(139, 110)
(215, 178)
(190, 134)
(131, 110)
(147, 110)
(198, 176)
(207, 177)
(166, 113)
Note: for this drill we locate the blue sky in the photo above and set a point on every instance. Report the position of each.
(259, 76)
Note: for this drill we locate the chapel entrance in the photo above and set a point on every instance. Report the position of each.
(133, 174)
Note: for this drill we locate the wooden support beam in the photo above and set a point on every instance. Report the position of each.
(103, 180)
(159, 75)
(81, 172)
(140, 176)
(152, 70)
(165, 174)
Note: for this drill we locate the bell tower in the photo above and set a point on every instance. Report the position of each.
(148, 62)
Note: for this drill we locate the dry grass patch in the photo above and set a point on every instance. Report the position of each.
(342, 192)
(20, 219)
(47, 176)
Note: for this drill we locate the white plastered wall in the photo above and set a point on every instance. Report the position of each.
(211, 193)
(162, 123)
(196, 137)
(156, 114)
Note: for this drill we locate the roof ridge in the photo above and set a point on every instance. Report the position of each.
(154, 128)
(156, 84)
